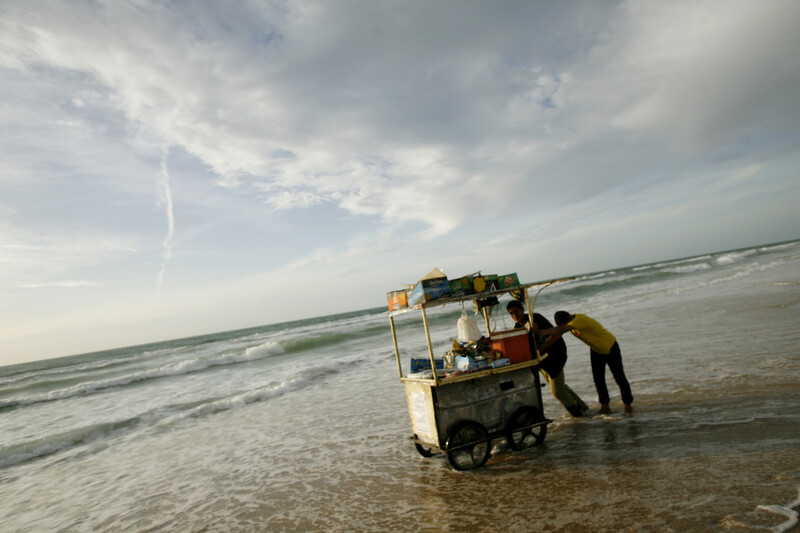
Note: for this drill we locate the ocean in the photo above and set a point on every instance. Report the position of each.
(303, 426)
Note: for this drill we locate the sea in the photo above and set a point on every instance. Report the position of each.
(304, 426)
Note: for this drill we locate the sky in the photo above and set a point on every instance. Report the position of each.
(175, 168)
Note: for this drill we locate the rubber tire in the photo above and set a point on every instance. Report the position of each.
(525, 416)
(478, 445)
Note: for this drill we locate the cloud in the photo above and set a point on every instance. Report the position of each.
(702, 76)
(355, 106)
(63, 284)
(385, 110)
(36, 257)
(288, 198)
(165, 199)
(315, 141)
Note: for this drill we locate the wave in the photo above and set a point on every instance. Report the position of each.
(688, 269)
(163, 416)
(74, 369)
(787, 511)
(338, 336)
(590, 284)
(735, 257)
(262, 350)
(297, 382)
(654, 274)
(354, 325)
(27, 451)
(776, 247)
(36, 374)
(40, 374)
(256, 352)
(671, 263)
(698, 283)
(583, 290)
(187, 366)
(598, 275)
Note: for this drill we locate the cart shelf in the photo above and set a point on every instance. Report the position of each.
(476, 374)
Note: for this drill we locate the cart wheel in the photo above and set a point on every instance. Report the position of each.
(468, 446)
(519, 433)
(424, 451)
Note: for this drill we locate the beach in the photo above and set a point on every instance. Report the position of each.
(304, 426)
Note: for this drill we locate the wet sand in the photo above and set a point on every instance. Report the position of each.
(654, 471)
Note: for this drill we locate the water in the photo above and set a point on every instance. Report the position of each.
(303, 426)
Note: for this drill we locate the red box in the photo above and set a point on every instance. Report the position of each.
(513, 344)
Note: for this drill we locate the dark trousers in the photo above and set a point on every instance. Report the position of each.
(614, 362)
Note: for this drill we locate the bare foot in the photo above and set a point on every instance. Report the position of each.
(628, 408)
(605, 409)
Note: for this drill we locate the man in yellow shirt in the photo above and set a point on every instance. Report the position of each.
(552, 366)
(603, 349)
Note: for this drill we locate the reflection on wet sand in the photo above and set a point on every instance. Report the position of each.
(649, 472)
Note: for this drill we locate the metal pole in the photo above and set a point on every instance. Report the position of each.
(430, 346)
(530, 320)
(396, 349)
(486, 319)
(531, 307)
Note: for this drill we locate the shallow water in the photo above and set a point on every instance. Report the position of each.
(215, 437)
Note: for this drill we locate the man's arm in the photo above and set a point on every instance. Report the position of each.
(557, 330)
(552, 337)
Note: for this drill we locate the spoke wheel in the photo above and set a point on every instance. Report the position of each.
(468, 446)
(520, 434)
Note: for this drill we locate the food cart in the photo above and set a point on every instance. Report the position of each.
(460, 413)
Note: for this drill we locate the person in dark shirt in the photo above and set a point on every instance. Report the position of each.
(554, 358)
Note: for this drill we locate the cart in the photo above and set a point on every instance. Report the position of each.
(462, 414)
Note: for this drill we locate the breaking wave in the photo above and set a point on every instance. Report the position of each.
(161, 417)
(688, 269)
(186, 366)
(37, 375)
(735, 257)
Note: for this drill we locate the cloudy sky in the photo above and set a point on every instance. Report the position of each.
(172, 168)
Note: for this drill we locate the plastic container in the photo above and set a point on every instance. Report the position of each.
(513, 344)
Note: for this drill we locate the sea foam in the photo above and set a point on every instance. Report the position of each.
(161, 417)
(186, 366)
(735, 257)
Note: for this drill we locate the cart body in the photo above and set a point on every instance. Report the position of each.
(460, 414)
(489, 399)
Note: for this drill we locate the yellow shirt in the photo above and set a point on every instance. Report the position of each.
(592, 333)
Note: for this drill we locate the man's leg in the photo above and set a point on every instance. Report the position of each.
(578, 399)
(615, 365)
(562, 392)
(599, 375)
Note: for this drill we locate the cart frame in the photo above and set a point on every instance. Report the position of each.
(461, 415)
